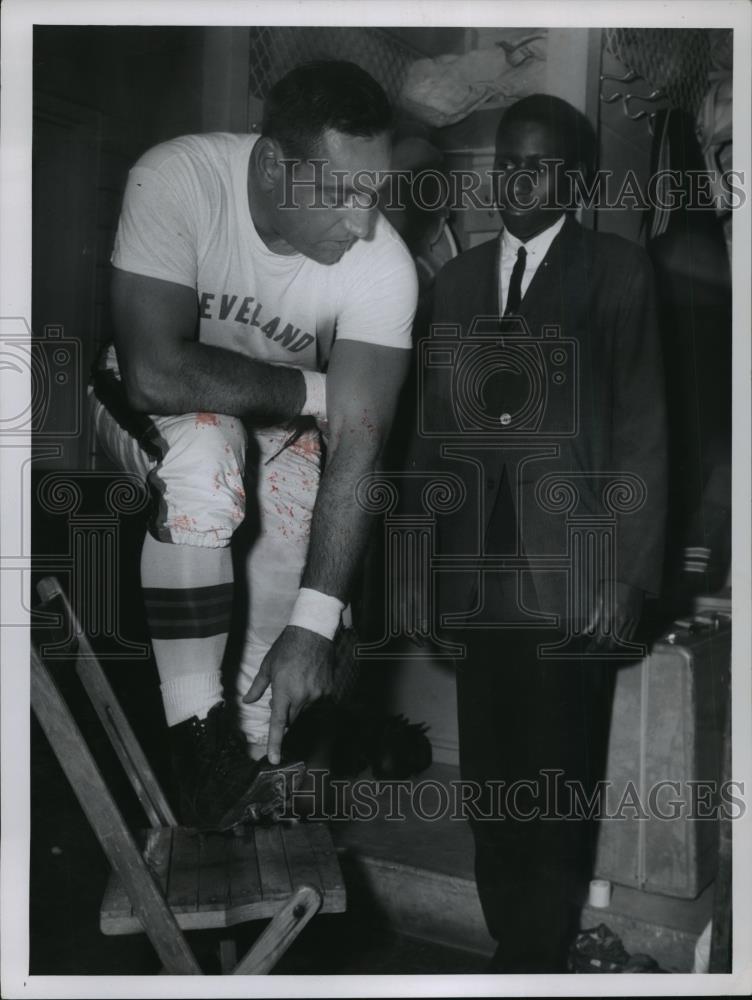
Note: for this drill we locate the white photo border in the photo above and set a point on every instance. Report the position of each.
(18, 19)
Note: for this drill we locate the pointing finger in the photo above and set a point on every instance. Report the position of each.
(277, 729)
(260, 684)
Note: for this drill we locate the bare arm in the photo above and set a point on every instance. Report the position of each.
(167, 371)
(363, 383)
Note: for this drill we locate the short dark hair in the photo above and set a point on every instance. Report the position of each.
(574, 135)
(320, 95)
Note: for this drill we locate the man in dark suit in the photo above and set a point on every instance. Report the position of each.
(542, 391)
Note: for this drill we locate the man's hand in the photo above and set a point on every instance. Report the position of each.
(299, 669)
(614, 620)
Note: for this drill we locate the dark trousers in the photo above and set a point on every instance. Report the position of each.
(521, 720)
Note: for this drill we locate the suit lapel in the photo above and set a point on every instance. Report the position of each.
(487, 301)
(558, 275)
(553, 287)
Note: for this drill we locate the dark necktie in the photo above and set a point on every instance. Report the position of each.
(514, 295)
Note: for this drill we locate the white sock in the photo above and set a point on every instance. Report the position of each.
(191, 694)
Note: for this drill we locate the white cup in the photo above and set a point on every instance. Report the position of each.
(600, 893)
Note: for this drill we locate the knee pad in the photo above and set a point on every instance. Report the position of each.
(199, 479)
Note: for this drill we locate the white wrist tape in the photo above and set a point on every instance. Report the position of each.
(315, 401)
(317, 612)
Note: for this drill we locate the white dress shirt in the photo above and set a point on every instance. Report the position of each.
(536, 248)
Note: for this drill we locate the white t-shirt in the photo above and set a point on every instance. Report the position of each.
(186, 219)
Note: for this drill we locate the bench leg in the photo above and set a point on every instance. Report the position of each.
(228, 955)
(280, 933)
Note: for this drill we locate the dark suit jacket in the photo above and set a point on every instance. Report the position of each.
(599, 410)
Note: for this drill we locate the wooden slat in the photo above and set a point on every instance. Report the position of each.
(244, 881)
(213, 884)
(272, 863)
(301, 860)
(116, 914)
(320, 840)
(182, 884)
(121, 735)
(157, 853)
(281, 932)
(228, 955)
(126, 746)
(118, 729)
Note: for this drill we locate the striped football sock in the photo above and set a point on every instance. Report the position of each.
(188, 594)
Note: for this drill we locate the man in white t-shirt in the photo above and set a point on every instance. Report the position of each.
(258, 305)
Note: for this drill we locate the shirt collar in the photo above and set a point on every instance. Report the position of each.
(535, 247)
